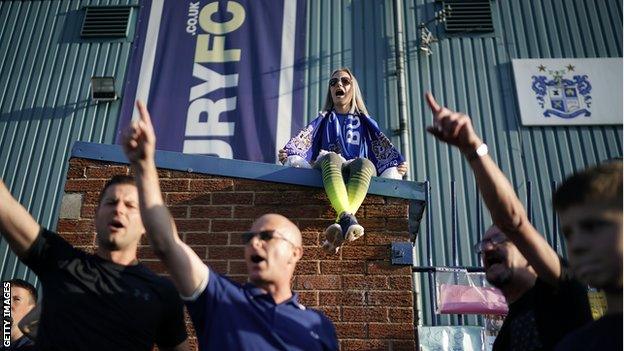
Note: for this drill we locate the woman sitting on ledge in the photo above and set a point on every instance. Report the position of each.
(344, 139)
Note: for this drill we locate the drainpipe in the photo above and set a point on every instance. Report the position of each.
(400, 74)
(399, 52)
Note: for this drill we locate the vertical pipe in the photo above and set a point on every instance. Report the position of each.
(555, 223)
(416, 286)
(478, 216)
(428, 228)
(454, 235)
(480, 231)
(418, 295)
(478, 212)
(434, 317)
(429, 250)
(454, 238)
(528, 202)
(400, 74)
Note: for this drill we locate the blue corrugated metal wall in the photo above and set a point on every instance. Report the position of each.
(44, 101)
(470, 73)
(45, 71)
(474, 74)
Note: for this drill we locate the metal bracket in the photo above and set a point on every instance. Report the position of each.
(402, 253)
(426, 37)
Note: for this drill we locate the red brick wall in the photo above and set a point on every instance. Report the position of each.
(369, 300)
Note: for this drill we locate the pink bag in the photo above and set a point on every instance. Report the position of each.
(460, 292)
(462, 299)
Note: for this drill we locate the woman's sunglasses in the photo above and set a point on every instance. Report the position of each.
(343, 80)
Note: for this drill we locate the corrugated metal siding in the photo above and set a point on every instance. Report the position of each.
(472, 74)
(45, 70)
(358, 35)
(44, 101)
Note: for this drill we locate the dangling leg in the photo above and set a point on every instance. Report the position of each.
(331, 170)
(361, 171)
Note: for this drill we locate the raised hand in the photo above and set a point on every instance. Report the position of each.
(185, 267)
(282, 155)
(139, 139)
(452, 127)
(402, 168)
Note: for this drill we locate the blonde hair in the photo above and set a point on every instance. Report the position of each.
(357, 101)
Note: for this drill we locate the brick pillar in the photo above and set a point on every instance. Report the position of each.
(370, 301)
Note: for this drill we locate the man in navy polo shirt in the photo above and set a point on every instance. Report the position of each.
(261, 315)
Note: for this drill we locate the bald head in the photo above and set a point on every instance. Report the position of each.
(273, 221)
(272, 259)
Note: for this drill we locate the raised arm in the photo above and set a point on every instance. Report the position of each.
(186, 268)
(507, 212)
(16, 224)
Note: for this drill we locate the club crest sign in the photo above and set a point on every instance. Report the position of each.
(561, 96)
(569, 91)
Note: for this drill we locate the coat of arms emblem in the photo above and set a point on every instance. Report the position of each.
(561, 95)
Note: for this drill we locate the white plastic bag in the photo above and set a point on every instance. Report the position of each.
(451, 338)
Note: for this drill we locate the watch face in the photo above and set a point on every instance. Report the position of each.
(482, 150)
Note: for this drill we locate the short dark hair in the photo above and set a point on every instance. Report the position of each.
(25, 285)
(117, 179)
(598, 184)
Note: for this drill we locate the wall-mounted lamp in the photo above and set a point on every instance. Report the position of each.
(103, 89)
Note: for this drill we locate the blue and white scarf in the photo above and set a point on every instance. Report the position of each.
(348, 135)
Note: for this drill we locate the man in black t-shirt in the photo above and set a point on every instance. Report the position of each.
(540, 313)
(106, 301)
(545, 303)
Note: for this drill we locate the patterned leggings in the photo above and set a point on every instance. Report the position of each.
(349, 197)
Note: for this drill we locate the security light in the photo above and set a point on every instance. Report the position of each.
(103, 89)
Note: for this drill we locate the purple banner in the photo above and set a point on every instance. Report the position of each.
(222, 78)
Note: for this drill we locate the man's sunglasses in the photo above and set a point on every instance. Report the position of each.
(494, 240)
(265, 235)
(343, 80)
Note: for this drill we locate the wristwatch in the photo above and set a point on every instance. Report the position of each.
(482, 150)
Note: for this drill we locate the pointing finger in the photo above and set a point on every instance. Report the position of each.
(433, 104)
(145, 116)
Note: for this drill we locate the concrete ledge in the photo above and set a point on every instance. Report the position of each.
(245, 169)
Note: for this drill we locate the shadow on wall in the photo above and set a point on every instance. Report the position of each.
(71, 22)
(46, 112)
(506, 80)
